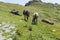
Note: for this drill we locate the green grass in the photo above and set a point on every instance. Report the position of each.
(41, 31)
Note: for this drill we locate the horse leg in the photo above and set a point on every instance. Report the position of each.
(33, 21)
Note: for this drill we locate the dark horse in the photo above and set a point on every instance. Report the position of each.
(15, 12)
(35, 18)
(26, 15)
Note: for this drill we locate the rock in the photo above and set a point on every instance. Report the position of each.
(36, 0)
(32, 1)
(0, 24)
(10, 39)
(30, 28)
(13, 32)
(53, 30)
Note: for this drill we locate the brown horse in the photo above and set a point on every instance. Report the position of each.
(47, 21)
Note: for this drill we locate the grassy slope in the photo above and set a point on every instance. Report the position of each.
(41, 31)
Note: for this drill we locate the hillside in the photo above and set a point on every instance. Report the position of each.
(41, 31)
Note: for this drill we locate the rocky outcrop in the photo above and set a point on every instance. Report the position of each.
(30, 2)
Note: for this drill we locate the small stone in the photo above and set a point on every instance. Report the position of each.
(9, 39)
(12, 27)
(0, 25)
(53, 30)
(13, 32)
(7, 30)
(6, 25)
(3, 23)
(2, 37)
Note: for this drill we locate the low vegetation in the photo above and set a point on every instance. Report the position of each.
(41, 31)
